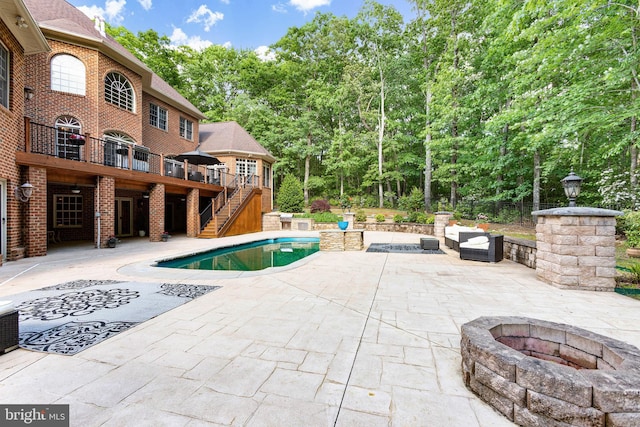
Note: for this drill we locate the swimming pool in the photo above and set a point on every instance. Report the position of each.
(251, 256)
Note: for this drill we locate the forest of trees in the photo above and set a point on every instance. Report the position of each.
(471, 100)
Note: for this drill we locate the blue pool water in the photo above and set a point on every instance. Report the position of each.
(249, 256)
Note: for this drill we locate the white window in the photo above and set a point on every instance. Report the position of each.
(186, 129)
(119, 92)
(69, 140)
(68, 211)
(266, 175)
(4, 76)
(246, 167)
(68, 74)
(157, 117)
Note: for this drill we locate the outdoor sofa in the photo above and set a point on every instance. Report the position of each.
(451, 234)
(486, 247)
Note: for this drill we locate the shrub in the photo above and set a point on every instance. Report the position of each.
(632, 228)
(431, 219)
(320, 205)
(398, 218)
(413, 202)
(361, 216)
(290, 195)
(421, 218)
(321, 216)
(380, 218)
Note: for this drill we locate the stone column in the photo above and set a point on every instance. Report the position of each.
(349, 217)
(442, 220)
(576, 247)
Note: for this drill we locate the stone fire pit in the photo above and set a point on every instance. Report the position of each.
(540, 373)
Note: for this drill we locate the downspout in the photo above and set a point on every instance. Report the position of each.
(98, 210)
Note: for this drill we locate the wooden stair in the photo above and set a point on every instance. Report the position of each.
(225, 216)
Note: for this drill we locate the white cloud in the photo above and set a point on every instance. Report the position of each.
(146, 4)
(307, 5)
(224, 1)
(112, 11)
(180, 38)
(204, 14)
(279, 8)
(265, 54)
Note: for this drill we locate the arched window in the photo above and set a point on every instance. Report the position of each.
(116, 149)
(69, 140)
(68, 74)
(118, 91)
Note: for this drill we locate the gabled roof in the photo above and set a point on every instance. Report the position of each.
(28, 34)
(230, 138)
(60, 20)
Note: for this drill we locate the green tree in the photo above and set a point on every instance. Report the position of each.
(290, 197)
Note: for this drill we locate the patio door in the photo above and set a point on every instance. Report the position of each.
(124, 216)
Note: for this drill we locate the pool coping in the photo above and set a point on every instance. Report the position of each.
(148, 268)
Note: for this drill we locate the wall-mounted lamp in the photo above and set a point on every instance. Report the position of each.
(24, 192)
(28, 93)
(145, 195)
(21, 22)
(75, 189)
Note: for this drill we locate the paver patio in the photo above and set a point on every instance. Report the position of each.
(344, 338)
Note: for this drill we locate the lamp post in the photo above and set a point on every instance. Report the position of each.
(571, 184)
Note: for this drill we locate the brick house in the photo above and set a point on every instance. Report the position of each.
(19, 36)
(240, 155)
(97, 137)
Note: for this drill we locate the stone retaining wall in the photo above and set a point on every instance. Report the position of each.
(339, 240)
(526, 369)
(522, 251)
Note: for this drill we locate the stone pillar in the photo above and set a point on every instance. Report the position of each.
(441, 221)
(349, 217)
(576, 247)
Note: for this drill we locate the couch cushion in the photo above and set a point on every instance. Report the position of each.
(478, 240)
(467, 245)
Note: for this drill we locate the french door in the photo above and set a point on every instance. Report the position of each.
(124, 216)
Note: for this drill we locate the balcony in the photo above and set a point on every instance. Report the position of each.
(68, 145)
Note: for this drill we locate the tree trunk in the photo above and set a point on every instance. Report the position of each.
(380, 139)
(536, 180)
(307, 167)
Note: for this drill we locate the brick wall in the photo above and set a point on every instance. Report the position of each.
(169, 141)
(36, 224)
(156, 212)
(105, 205)
(193, 216)
(12, 137)
(95, 115)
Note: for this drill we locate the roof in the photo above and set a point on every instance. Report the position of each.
(59, 19)
(230, 138)
(14, 12)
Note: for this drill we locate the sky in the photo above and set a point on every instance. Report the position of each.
(242, 24)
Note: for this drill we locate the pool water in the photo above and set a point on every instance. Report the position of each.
(252, 256)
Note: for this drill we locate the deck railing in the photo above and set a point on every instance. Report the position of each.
(67, 143)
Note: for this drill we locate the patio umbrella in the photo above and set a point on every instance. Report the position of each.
(197, 157)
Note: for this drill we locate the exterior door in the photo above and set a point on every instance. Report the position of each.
(124, 216)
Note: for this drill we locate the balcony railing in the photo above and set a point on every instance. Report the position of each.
(66, 143)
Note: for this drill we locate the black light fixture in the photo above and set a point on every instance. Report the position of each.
(24, 192)
(571, 184)
(145, 195)
(75, 189)
(28, 93)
